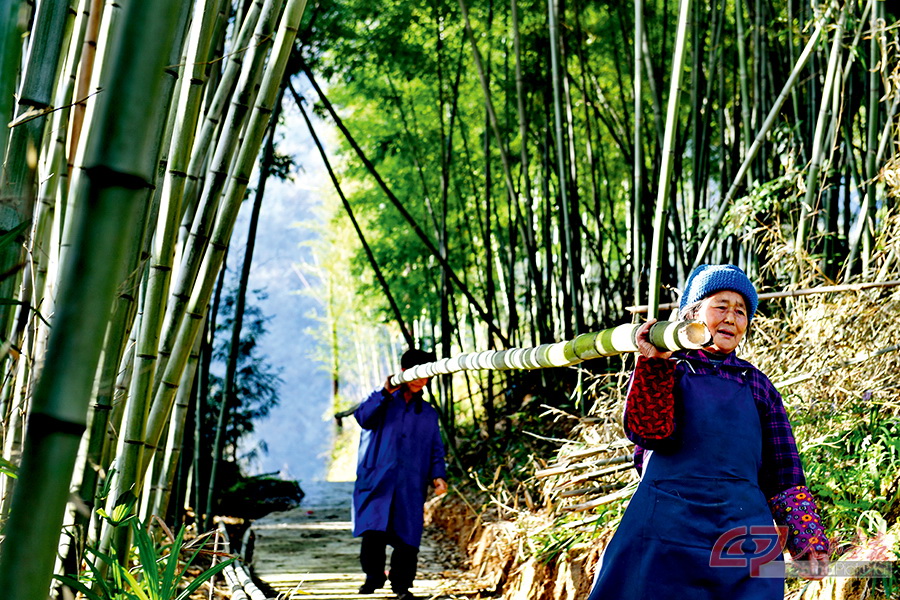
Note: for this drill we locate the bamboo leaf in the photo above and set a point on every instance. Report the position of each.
(170, 575)
(202, 578)
(149, 558)
(79, 587)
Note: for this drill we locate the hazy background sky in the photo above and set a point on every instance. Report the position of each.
(299, 431)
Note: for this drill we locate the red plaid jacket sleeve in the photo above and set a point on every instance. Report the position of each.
(650, 403)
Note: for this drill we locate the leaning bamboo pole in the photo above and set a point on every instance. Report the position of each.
(221, 233)
(665, 335)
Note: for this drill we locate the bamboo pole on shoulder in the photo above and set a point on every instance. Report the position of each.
(120, 162)
(665, 335)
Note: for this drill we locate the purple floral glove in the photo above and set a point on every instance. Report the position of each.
(796, 509)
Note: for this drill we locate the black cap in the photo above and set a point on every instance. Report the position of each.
(415, 356)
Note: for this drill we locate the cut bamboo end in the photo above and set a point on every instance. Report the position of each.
(694, 335)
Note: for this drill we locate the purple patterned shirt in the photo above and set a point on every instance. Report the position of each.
(781, 467)
(650, 423)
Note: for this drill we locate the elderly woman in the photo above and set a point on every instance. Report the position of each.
(722, 488)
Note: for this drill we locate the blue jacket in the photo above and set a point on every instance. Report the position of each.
(400, 454)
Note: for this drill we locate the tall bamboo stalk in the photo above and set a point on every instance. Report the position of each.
(221, 233)
(637, 192)
(823, 124)
(120, 163)
(229, 393)
(664, 185)
(11, 29)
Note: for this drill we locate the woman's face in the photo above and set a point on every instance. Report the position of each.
(725, 315)
(416, 385)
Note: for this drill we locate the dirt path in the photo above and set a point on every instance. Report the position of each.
(310, 553)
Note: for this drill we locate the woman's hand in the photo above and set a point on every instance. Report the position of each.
(816, 565)
(388, 387)
(440, 487)
(643, 342)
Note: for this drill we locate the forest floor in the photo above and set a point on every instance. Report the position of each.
(309, 552)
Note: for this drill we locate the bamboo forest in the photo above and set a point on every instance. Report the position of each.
(501, 183)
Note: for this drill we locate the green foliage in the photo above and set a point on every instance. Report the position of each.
(9, 469)
(853, 468)
(256, 380)
(158, 572)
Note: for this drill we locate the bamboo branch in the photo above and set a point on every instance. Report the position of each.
(831, 369)
(825, 289)
(623, 493)
(561, 469)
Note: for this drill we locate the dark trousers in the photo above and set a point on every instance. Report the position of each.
(372, 559)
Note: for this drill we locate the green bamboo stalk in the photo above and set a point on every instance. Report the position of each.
(823, 124)
(229, 394)
(162, 490)
(746, 100)
(18, 183)
(559, 142)
(11, 30)
(211, 120)
(761, 135)
(196, 243)
(872, 119)
(233, 197)
(120, 163)
(668, 157)
(527, 223)
(667, 336)
(637, 194)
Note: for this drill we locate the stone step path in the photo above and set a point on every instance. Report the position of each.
(310, 553)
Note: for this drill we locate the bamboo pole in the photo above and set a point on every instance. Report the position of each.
(665, 335)
(668, 158)
(825, 289)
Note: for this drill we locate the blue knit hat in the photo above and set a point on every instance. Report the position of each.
(709, 279)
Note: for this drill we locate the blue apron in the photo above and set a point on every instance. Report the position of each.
(698, 524)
